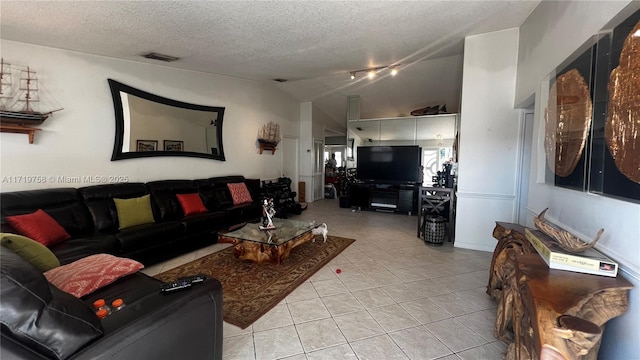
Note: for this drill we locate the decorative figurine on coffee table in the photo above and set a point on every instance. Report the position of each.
(268, 211)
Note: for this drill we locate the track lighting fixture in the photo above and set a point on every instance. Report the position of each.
(372, 72)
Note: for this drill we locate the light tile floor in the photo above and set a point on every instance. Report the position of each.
(395, 298)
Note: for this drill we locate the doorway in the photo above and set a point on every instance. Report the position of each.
(339, 151)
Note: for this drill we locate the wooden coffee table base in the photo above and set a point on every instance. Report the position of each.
(260, 252)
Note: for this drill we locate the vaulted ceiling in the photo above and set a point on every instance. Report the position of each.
(312, 44)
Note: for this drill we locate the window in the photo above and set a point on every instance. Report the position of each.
(430, 166)
(432, 160)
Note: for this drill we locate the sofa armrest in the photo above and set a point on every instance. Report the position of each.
(183, 325)
(254, 189)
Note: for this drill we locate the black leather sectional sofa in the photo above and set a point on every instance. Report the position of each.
(39, 321)
(89, 215)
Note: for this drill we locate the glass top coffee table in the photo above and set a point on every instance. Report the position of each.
(272, 245)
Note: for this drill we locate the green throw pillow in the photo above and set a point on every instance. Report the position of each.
(31, 251)
(132, 212)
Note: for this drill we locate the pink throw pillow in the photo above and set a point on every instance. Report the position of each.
(239, 193)
(191, 203)
(40, 227)
(89, 274)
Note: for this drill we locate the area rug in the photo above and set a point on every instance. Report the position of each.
(250, 290)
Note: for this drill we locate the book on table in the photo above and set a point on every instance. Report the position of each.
(590, 261)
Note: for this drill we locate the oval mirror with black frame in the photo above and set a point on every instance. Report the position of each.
(151, 125)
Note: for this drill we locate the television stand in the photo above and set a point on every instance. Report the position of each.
(390, 211)
(385, 197)
(384, 206)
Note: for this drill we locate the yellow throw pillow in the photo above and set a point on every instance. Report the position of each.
(132, 212)
(30, 250)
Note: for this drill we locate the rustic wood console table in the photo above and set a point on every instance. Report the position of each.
(549, 314)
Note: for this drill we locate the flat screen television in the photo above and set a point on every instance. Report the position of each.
(389, 164)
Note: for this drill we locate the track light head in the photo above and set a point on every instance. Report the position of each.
(372, 72)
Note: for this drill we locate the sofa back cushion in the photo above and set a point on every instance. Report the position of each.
(205, 188)
(38, 315)
(221, 191)
(99, 201)
(254, 188)
(165, 203)
(65, 206)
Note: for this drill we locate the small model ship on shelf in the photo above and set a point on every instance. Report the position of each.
(269, 137)
(20, 101)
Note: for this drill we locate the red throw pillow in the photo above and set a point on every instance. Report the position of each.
(239, 193)
(89, 274)
(191, 203)
(39, 226)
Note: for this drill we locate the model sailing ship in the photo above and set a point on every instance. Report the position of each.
(20, 97)
(269, 135)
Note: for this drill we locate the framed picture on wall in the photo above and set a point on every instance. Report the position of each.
(591, 136)
(146, 145)
(568, 117)
(615, 161)
(173, 145)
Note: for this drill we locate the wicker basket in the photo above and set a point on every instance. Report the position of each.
(434, 230)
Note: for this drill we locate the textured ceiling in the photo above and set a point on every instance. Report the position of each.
(311, 44)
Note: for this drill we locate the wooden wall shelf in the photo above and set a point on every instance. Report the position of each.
(271, 148)
(19, 129)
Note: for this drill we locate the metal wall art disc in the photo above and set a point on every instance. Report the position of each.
(623, 113)
(567, 124)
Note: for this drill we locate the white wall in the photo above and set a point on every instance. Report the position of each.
(489, 132)
(553, 31)
(329, 124)
(322, 122)
(548, 36)
(436, 80)
(78, 140)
